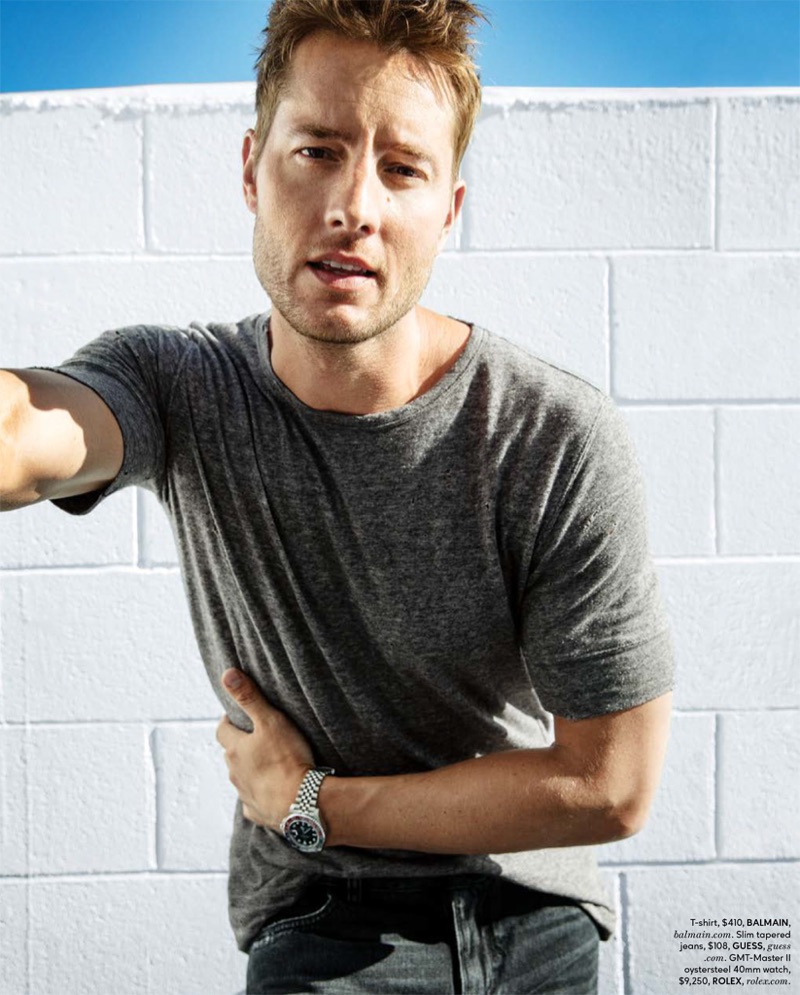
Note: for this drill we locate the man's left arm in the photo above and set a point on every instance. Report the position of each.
(594, 784)
(594, 637)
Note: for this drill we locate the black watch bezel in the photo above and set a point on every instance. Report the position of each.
(296, 821)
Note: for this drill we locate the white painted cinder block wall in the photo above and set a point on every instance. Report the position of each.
(648, 240)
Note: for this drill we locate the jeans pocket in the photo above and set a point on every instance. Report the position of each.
(313, 909)
(548, 949)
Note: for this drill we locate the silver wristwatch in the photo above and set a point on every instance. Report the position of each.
(302, 828)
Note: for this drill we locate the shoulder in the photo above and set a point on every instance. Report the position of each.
(239, 336)
(166, 349)
(537, 398)
(205, 338)
(209, 337)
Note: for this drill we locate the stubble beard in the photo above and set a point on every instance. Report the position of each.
(330, 327)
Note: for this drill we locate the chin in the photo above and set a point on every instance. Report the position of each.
(337, 329)
(337, 333)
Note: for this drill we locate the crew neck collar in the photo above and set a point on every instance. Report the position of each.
(379, 419)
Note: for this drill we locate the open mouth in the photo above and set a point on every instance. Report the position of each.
(341, 273)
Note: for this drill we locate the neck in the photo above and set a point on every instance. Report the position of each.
(380, 374)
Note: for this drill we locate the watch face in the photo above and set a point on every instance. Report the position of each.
(304, 833)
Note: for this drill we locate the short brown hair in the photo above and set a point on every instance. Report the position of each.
(438, 32)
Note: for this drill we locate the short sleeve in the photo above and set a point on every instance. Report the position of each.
(133, 370)
(594, 632)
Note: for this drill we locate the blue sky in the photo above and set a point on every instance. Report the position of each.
(60, 44)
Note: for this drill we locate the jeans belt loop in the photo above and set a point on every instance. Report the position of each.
(354, 890)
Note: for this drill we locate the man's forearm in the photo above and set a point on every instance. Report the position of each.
(593, 785)
(518, 800)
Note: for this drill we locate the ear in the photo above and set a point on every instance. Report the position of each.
(456, 202)
(249, 166)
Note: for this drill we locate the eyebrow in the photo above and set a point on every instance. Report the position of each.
(321, 133)
(317, 131)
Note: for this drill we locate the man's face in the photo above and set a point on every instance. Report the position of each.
(353, 193)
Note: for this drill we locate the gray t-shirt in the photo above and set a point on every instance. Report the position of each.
(414, 588)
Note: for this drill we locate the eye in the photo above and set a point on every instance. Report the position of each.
(314, 152)
(403, 172)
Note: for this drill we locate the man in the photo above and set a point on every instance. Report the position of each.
(420, 551)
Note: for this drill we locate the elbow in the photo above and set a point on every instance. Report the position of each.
(10, 468)
(617, 760)
(623, 817)
(9, 486)
(15, 490)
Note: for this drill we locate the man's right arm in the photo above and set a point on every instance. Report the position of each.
(58, 438)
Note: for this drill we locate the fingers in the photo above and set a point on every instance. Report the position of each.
(229, 736)
(233, 680)
(247, 694)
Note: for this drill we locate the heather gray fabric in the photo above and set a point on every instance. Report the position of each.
(413, 588)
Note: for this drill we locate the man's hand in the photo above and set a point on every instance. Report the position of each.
(266, 765)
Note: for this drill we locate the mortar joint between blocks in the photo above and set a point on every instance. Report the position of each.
(156, 838)
(718, 813)
(716, 510)
(714, 174)
(625, 911)
(145, 186)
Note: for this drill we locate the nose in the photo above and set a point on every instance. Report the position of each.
(355, 197)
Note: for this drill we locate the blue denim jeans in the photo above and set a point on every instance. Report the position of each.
(476, 935)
